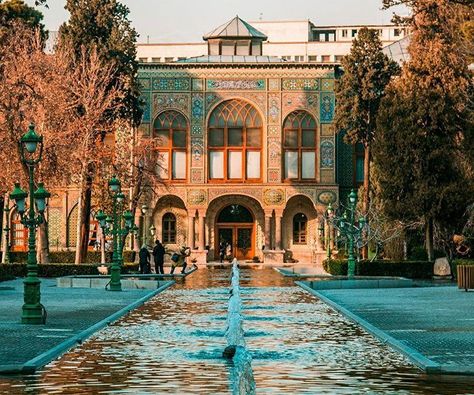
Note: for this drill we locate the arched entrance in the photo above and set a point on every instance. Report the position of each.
(235, 227)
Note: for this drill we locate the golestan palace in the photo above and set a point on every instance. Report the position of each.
(246, 154)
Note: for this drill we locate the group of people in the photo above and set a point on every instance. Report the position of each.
(225, 250)
(159, 251)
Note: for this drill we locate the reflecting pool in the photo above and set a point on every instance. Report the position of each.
(174, 344)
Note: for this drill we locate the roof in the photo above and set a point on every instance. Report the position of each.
(235, 28)
(232, 59)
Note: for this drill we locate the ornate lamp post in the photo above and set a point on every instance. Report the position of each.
(349, 229)
(33, 311)
(329, 215)
(113, 226)
(144, 232)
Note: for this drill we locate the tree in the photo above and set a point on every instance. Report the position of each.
(424, 125)
(103, 25)
(367, 71)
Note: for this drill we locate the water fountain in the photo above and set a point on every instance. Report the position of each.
(242, 378)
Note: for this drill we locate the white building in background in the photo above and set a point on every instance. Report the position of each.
(295, 41)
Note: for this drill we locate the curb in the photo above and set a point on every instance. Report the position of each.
(413, 355)
(43, 359)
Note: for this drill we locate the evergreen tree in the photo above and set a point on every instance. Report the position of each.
(102, 26)
(367, 71)
(424, 128)
(17, 11)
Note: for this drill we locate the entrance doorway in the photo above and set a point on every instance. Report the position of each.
(235, 230)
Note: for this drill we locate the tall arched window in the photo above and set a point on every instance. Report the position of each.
(235, 142)
(168, 227)
(299, 134)
(170, 132)
(300, 222)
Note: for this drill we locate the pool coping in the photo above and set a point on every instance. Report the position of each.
(46, 357)
(417, 358)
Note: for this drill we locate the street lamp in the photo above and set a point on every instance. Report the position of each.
(144, 224)
(347, 227)
(329, 216)
(33, 312)
(113, 226)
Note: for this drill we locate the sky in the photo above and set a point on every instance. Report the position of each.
(189, 20)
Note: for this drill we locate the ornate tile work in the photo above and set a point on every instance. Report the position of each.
(197, 197)
(327, 154)
(300, 101)
(217, 85)
(274, 176)
(274, 84)
(274, 197)
(300, 84)
(198, 84)
(256, 98)
(274, 108)
(327, 176)
(197, 149)
(327, 85)
(196, 130)
(326, 197)
(254, 192)
(166, 101)
(146, 107)
(171, 84)
(327, 107)
(197, 176)
(197, 106)
(327, 130)
(310, 192)
(211, 99)
(274, 131)
(274, 152)
(145, 84)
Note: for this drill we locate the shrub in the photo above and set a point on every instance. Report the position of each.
(70, 256)
(409, 269)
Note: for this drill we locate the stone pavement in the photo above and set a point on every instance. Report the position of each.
(73, 315)
(433, 326)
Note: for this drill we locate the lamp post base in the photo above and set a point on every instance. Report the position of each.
(32, 310)
(115, 284)
(33, 315)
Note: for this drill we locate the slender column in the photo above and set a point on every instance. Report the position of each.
(278, 218)
(202, 230)
(191, 235)
(268, 230)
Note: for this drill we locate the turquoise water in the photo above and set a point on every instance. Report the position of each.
(174, 344)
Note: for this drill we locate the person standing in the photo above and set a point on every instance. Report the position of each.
(159, 257)
(144, 256)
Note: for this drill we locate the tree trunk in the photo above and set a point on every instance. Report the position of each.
(366, 197)
(84, 215)
(43, 243)
(429, 238)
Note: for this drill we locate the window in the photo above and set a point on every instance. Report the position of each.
(396, 32)
(344, 33)
(143, 60)
(155, 60)
(325, 58)
(354, 32)
(169, 228)
(299, 146)
(322, 37)
(300, 222)
(312, 58)
(168, 60)
(338, 58)
(358, 165)
(170, 132)
(286, 57)
(235, 142)
(299, 58)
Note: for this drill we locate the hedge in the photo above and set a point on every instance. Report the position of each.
(9, 270)
(70, 256)
(408, 269)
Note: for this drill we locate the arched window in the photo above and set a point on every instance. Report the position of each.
(169, 228)
(235, 142)
(299, 145)
(170, 132)
(300, 222)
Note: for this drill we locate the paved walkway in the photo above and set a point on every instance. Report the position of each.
(73, 315)
(433, 326)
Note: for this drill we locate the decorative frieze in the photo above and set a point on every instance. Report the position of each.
(274, 175)
(256, 98)
(237, 190)
(300, 101)
(274, 105)
(170, 84)
(274, 197)
(300, 84)
(274, 152)
(327, 154)
(197, 176)
(234, 84)
(197, 197)
(167, 101)
(198, 84)
(326, 197)
(327, 107)
(327, 84)
(274, 84)
(197, 150)
(309, 192)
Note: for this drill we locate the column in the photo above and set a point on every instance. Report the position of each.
(278, 218)
(268, 230)
(202, 230)
(191, 231)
